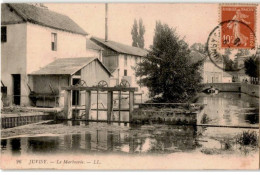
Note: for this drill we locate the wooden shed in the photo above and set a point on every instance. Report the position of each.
(46, 83)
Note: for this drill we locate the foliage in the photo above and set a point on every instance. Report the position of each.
(168, 71)
(229, 65)
(252, 66)
(205, 119)
(134, 34)
(141, 34)
(198, 47)
(247, 138)
(137, 33)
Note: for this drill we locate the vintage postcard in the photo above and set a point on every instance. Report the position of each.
(130, 86)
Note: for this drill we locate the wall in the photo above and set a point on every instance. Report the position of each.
(42, 83)
(250, 89)
(226, 87)
(13, 58)
(211, 73)
(130, 67)
(92, 74)
(39, 51)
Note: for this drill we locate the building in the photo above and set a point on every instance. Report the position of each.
(228, 77)
(121, 60)
(31, 38)
(211, 72)
(49, 80)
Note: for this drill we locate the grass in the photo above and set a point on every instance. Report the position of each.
(205, 119)
(247, 138)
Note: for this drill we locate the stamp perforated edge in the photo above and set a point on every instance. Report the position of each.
(239, 4)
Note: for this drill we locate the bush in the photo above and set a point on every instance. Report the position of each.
(247, 138)
(205, 119)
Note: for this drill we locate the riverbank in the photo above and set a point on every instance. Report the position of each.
(249, 89)
(101, 141)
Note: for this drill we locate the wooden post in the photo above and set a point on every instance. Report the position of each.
(131, 105)
(67, 104)
(119, 106)
(97, 104)
(88, 104)
(109, 105)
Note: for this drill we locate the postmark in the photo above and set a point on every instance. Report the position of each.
(233, 40)
(239, 31)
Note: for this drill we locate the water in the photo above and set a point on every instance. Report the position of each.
(79, 137)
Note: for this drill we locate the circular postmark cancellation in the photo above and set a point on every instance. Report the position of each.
(228, 52)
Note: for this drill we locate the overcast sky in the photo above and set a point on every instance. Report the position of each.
(194, 21)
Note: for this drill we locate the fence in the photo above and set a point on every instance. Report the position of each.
(47, 100)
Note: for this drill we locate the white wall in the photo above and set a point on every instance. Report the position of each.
(210, 71)
(13, 57)
(131, 63)
(39, 52)
(28, 48)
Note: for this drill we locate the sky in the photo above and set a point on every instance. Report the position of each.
(192, 21)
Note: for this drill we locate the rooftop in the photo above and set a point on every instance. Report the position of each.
(45, 17)
(66, 66)
(91, 45)
(121, 48)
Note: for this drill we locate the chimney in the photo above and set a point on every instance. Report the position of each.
(106, 29)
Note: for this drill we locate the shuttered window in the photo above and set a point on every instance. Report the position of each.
(3, 34)
(54, 41)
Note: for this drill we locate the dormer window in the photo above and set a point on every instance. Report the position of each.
(3, 34)
(54, 41)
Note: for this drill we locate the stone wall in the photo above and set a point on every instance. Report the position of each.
(225, 87)
(250, 89)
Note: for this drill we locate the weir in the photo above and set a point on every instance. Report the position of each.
(68, 108)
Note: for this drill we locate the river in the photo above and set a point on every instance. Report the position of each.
(79, 137)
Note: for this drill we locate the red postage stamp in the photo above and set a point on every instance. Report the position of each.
(238, 26)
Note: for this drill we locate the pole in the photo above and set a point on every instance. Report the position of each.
(88, 105)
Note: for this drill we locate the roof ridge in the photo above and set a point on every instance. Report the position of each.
(121, 48)
(56, 20)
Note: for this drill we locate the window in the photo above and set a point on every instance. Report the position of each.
(54, 41)
(3, 34)
(125, 60)
(125, 72)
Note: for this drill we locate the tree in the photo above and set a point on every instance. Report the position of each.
(141, 34)
(198, 47)
(168, 71)
(137, 33)
(252, 66)
(134, 34)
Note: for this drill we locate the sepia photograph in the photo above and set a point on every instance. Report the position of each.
(130, 86)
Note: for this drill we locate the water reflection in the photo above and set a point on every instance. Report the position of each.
(231, 109)
(140, 139)
(222, 109)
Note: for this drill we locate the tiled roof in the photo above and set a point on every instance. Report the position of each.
(121, 48)
(45, 17)
(66, 66)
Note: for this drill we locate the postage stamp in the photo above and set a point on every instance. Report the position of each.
(104, 86)
(239, 28)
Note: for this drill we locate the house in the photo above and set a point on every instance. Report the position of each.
(121, 60)
(49, 80)
(227, 77)
(212, 72)
(209, 71)
(31, 38)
